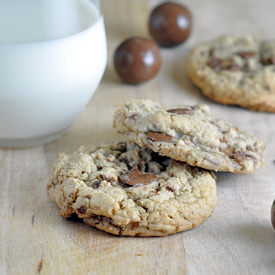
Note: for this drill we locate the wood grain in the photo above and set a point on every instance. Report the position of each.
(237, 239)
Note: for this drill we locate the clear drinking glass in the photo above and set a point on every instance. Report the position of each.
(52, 58)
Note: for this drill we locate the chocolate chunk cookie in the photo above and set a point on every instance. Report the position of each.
(124, 189)
(190, 134)
(236, 70)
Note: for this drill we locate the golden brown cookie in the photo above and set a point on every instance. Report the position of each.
(236, 70)
(124, 189)
(190, 134)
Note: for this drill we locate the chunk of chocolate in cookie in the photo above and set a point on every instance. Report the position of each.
(136, 178)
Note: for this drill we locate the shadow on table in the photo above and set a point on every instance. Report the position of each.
(74, 138)
(260, 240)
(182, 79)
(110, 75)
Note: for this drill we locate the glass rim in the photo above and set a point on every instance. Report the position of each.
(97, 4)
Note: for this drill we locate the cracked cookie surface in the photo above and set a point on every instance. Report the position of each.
(236, 70)
(124, 189)
(190, 134)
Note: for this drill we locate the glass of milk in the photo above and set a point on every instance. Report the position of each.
(52, 58)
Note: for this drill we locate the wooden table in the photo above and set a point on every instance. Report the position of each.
(237, 239)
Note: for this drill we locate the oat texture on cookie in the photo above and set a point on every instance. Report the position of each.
(236, 70)
(190, 134)
(127, 190)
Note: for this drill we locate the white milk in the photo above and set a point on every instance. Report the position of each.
(53, 55)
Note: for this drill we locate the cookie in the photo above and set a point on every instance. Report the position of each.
(124, 189)
(190, 134)
(236, 70)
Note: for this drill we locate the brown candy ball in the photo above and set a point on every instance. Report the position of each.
(273, 214)
(137, 60)
(170, 24)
